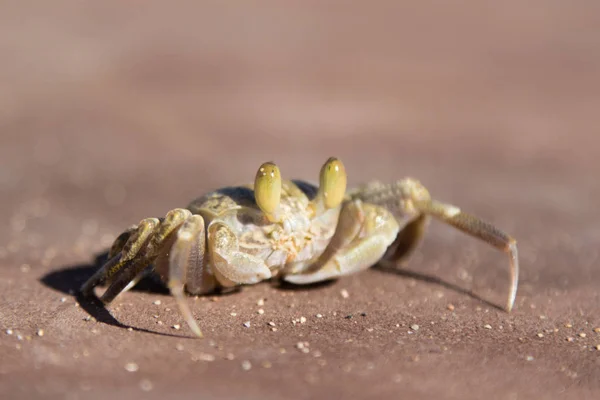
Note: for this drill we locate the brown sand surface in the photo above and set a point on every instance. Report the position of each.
(114, 111)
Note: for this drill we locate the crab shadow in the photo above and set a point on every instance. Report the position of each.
(68, 280)
(389, 269)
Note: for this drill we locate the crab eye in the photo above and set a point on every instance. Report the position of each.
(267, 187)
(332, 182)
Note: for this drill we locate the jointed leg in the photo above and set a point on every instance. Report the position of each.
(407, 240)
(123, 251)
(121, 241)
(176, 245)
(364, 233)
(135, 263)
(408, 199)
(141, 247)
(480, 229)
(145, 273)
(186, 266)
(114, 255)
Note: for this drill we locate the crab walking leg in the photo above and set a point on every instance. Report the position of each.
(100, 276)
(480, 229)
(117, 247)
(349, 226)
(364, 233)
(121, 241)
(199, 279)
(186, 262)
(125, 248)
(136, 262)
(137, 279)
(409, 199)
(407, 240)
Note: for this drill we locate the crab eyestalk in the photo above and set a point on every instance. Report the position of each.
(332, 185)
(267, 190)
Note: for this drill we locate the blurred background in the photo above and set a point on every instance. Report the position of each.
(113, 111)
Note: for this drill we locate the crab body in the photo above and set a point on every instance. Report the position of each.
(290, 230)
(236, 225)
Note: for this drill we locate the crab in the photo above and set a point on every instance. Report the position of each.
(289, 230)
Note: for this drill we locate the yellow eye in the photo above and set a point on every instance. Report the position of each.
(333, 182)
(267, 187)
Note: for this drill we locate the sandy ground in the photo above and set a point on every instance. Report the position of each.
(115, 111)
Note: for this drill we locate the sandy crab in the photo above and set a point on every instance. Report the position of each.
(292, 230)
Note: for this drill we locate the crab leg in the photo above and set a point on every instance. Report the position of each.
(121, 241)
(186, 265)
(480, 229)
(407, 240)
(134, 261)
(365, 231)
(117, 248)
(123, 251)
(409, 201)
(146, 272)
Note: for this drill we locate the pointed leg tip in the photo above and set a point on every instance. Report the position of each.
(177, 291)
(511, 300)
(514, 274)
(196, 331)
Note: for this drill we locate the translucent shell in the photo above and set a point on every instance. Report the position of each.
(267, 188)
(332, 183)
